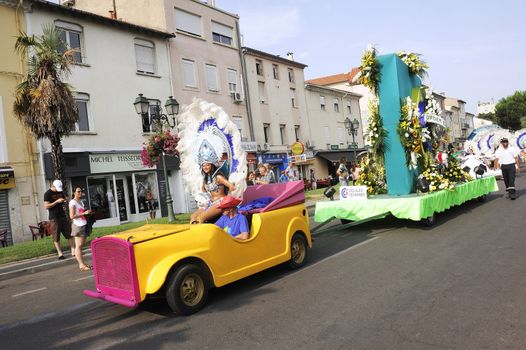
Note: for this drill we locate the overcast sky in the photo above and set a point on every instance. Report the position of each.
(476, 49)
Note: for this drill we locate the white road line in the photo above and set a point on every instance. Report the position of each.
(83, 278)
(309, 266)
(28, 292)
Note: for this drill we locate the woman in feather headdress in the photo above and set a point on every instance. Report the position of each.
(214, 184)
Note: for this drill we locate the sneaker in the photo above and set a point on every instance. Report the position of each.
(61, 257)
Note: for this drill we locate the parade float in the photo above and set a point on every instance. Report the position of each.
(409, 171)
(181, 262)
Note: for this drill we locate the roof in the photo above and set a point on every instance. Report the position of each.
(336, 78)
(97, 18)
(262, 54)
(310, 86)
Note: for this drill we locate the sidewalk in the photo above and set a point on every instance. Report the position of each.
(24, 267)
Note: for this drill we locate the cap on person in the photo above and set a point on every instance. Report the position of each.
(228, 202)
(58, 185)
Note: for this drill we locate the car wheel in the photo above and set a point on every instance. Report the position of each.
(187, 289)
(429, 221)
(298, 251)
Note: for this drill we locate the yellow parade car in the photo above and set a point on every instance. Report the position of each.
(184, 261)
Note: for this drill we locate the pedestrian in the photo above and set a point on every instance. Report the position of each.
(270, 170)
(507, 159)
(54, 200)
(151, 202)
(251, 178)
(356, 173)
(313, 180)
(283, 177)
(343, 173)
(77, 214)
(264, 175)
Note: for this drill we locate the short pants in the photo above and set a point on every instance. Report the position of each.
(58, 226)
(78, 231)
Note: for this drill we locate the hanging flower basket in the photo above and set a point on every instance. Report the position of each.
(156, 144)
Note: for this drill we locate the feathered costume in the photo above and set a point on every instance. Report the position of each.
(206, 134)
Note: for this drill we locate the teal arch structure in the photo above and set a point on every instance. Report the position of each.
(396, 84)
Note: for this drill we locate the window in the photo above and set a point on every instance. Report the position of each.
(81, 101)
(145, 56)
(261, 90)
(222, 34)
(340, 136)
(275, 71)
(232, 80)
(322, 103)
(211, 77)
(259, 67)
(282, 134)
(348, 107)
(293, 97)
(188, 22)
(239, 123)
(297, 132)
(336, 105)
(71, 36)
(266, 132)
(327, 135)
(189, 76)
(291, 75)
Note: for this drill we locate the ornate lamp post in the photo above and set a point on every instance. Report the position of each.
(157, 120)
(352, 129)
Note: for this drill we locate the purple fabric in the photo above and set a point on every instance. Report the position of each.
(255, 204)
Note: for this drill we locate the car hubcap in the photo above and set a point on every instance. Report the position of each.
(298, 251)
(192, 289)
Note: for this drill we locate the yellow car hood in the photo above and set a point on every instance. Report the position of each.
(148, 232)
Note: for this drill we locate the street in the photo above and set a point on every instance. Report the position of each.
(386, 284)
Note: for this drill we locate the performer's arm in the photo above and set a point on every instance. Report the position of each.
(221, 179)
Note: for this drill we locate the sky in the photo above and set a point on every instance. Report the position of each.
(476, 50)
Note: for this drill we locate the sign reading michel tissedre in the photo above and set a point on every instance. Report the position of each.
(115, 162)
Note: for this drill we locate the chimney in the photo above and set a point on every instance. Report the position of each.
(290, 56)
(113, 14)
(211, 3)
(68, 3)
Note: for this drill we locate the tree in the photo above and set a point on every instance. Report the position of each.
(510, 110)
(487, 116)
(43, 103)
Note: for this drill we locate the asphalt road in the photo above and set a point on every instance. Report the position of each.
(387, 284)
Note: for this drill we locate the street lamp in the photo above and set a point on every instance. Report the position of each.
(352, 129)
(157, 119)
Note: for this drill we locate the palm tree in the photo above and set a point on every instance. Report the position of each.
(43, 103)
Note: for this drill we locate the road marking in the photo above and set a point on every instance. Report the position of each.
(83, 278)
(339, 253)
(28, 292)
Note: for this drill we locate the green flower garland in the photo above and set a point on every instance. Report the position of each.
(413, 136)
(376, 132)
(373, 176)
(370, 70)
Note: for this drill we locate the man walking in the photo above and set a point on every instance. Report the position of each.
(507, 160)
(343, 173)
(312, 179)
(54, 200)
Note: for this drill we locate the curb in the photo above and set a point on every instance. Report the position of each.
(48, 262)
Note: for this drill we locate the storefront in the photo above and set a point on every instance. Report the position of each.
(7, 181)
(279, 161)
(331, 159)
(303, 162)
(116, 184)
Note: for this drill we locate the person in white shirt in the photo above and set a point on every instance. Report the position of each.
(507, 159)
(78, 226)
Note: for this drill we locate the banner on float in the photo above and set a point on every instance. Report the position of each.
(434, 119)
(353, 192)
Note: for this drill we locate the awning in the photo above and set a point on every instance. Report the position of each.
(335, 156)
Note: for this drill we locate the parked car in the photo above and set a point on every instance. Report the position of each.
(184, 261)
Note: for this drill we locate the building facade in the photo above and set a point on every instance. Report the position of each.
(276, 93)
(114, 62)
(459, 125)
(327, 109)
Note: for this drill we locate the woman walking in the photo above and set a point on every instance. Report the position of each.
(77, 214)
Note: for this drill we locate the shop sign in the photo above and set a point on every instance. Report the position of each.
(274, 158)
(335, 147)
(7, 178)
(353, 192)
(249, 146)
(352, 145)
(115, 162)
(309, 154)
(297, 148)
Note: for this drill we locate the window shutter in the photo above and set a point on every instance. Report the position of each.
(145, 56)
(188, 22)
(189, 73)
(211, 77)
(222, 29)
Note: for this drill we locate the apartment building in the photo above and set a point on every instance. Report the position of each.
(115, 61)
(327, 109)
(459, 126)
(276, 93)
(19, 199)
